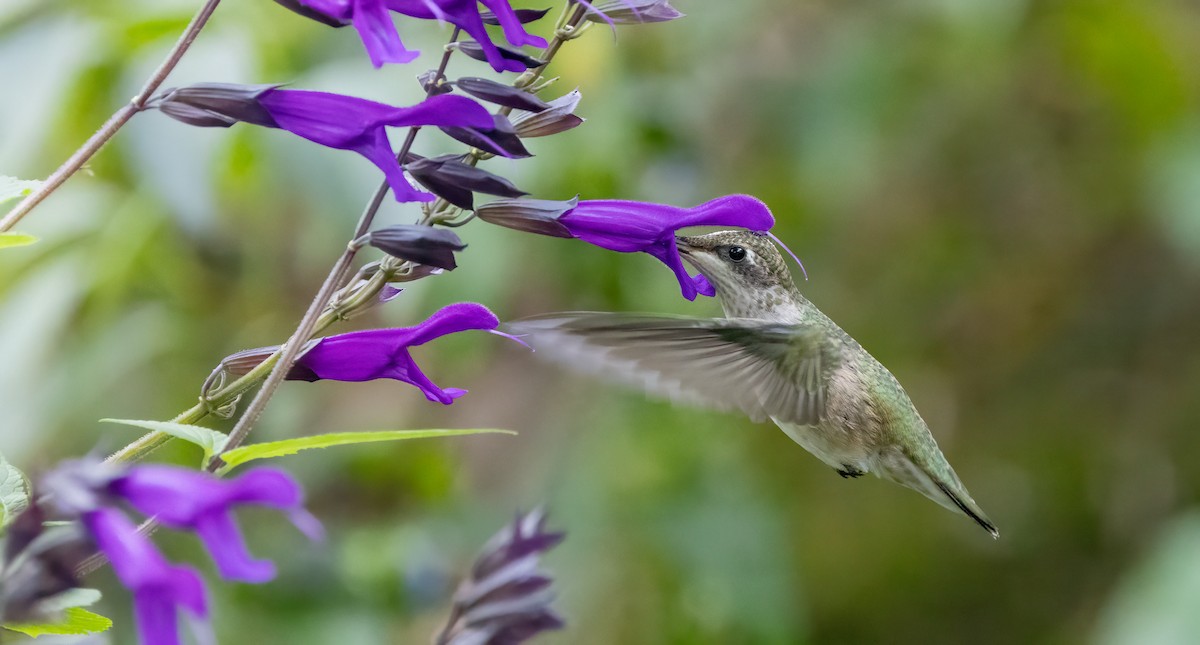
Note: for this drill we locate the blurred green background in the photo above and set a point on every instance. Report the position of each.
(1000, 199)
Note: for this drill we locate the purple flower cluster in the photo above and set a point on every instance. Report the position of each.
(181, 499)
(372, 20)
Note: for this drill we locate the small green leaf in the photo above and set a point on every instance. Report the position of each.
(76, 622)
(12, 188)
(16, 239)
(209, 440)
(270, 449)
(14, 492)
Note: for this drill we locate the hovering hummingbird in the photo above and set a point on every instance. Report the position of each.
(776, 356)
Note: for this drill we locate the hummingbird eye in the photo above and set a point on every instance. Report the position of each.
(736, 253)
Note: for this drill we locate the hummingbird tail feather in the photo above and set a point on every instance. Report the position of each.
(939, 484)
(967, 505)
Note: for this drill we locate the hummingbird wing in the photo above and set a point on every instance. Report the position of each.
(763, 369)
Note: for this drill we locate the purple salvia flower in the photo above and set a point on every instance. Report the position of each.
(331, 120)
(378, 33)
(179, 498)
(159, 588)
(185, 499)
(383, 353)
(466, 15)
(628, 226)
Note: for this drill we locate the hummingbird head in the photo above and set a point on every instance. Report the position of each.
(750, 276)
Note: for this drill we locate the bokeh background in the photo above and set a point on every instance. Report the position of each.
(1000, 199)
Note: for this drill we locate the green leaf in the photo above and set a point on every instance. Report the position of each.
(16, 239)
(270, 449)
(12, 188)
(209, 440)
(76, 622)
(14, 492)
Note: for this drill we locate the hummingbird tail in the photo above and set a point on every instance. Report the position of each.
(939, 484)
(972, 510)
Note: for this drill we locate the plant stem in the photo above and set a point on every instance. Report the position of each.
(114, 123)
(304, 331)
(268, 368)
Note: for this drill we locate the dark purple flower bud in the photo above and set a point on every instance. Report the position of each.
(216, 104)
(159, 588)
(511, 60)
(500, 139)
(501, 94)
(530, 215)
(199, 502)
(456, 182)
(39, 564)
(632, 12)
(628, 226)
(560, 116)
(506, 600)
(525, 16)
(241, 362)
(331, 120)
(433, 84)
(421, 244)
(312, 14)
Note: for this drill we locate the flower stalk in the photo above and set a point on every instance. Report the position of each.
(115, 122)
(328, 307)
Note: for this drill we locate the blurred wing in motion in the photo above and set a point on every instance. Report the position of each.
(763, 369)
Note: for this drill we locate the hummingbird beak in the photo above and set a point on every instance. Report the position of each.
(686, 245)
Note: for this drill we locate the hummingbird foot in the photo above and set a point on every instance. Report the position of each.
(848, 471)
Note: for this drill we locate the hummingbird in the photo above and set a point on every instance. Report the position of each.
(774, 356)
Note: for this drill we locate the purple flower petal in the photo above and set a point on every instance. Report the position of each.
(186, 499)
(224, 542)
(514, 31)
(350, 123)
(627, 226)
(383, 353)
(378, 33)
(158, 587)
(465, 14)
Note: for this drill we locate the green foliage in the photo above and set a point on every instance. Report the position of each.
(210, 441)
(12, 188)
(75, 622)
(8, 239)
(14, 492)
(270, 449)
